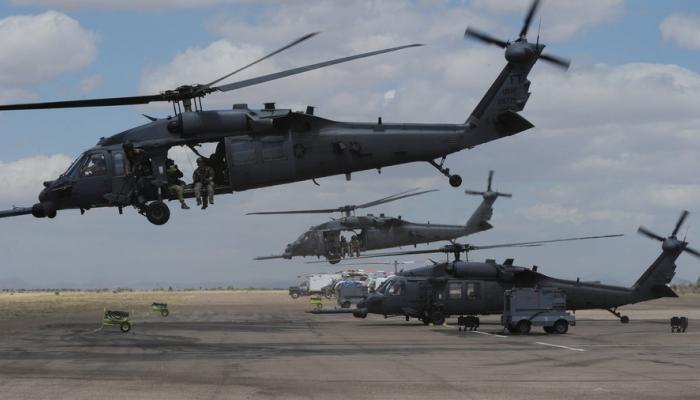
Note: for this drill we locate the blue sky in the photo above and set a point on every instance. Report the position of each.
(569, 184)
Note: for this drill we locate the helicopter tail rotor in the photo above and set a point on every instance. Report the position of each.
(489, 191)
(520, 50)
(671, 243)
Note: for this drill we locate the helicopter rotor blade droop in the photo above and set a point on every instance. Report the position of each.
(299, 70)
(520, 49)
(186, 93)
(458, 248)
(347, 209)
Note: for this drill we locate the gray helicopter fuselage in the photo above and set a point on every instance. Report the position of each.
(376, 232)
(464, 288)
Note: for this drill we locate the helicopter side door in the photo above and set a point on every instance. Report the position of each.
(92, 181)
(259, 162)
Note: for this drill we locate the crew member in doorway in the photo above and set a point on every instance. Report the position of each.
(203, 177)
(175, 185)
(355, 245)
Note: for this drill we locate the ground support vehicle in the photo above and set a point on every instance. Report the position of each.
(527, 307)
(116, 318)
(161, 308)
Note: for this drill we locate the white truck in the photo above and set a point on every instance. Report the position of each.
(319, 283)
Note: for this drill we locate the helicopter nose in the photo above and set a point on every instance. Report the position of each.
(44, 195)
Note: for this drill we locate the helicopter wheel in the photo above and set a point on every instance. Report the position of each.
(333, 260)
(157, 213)
(455, 180)
(437, 318)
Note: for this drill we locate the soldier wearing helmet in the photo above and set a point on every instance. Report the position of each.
(203, 177)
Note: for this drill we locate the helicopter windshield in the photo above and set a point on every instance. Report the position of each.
(74, 165)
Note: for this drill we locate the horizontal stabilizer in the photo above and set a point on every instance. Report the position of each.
(663, 291)
(509, 123)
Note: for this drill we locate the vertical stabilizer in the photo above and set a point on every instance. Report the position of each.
(479, 220)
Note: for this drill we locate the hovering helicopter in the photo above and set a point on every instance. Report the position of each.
(374, 232)
(271, 146)
(435, 292)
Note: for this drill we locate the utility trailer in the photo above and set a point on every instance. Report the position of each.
(527, 307)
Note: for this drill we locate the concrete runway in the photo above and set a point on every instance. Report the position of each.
(275, 350)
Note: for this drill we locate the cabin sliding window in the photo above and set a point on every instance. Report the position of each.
(473, 290)
(273, 149)
(455, 291)
(243, 152)
(118, 163)
(95, 165)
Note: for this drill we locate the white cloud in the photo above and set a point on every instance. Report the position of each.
(683, 30)
(124, 4)
(21, 180)
(90, 83)
(561, 19)
(40, 47)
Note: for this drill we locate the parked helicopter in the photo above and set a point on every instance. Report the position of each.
(259, 148)
(375, 232)
(435, 292)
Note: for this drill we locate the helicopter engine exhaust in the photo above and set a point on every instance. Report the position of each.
(190, 124)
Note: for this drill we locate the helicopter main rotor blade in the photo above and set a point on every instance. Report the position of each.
(682, 218)
(467, 247)
(646, 232)
(281, 49)
(15, 211)
(470, 32)
(528, 18)
(541, 242)
(299, 70)
(268, 257)
(319, 211)
(488, 188)
(105, 102)
(394, 198)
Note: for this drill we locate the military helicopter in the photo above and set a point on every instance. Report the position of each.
(271, 146)
(374, 232)
(435, 292)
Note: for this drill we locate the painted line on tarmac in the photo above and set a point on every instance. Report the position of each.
(560, 346)
(490, 334)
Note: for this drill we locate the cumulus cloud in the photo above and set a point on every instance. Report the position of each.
(683, 30)
(22, 179)
(40, 47)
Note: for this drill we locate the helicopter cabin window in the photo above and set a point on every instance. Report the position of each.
(455, 290)
(273, 148)
(243, 152)
(473, 291)
(95, 165)
(118, 163)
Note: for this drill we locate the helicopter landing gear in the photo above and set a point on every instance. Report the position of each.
(156, 212)
(455, 180)
(623, 318)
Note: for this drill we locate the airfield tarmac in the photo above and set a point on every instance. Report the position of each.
(228, 345)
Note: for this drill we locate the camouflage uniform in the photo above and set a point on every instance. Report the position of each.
(355, 246)
(175, 185)
(344, 249)
(203, 176)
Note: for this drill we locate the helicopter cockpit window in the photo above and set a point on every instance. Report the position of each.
(95, 165)
(455, 290)
(382, 287)
(74, 165)
(397, 289)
